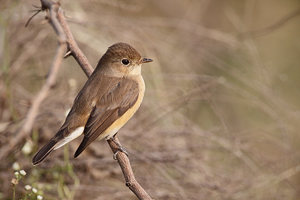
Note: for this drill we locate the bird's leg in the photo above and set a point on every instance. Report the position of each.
(122, 149)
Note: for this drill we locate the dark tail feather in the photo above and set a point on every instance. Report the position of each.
(85, 142)
(81, 147)
(43, 152)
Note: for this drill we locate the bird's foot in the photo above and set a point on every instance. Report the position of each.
(121, 149)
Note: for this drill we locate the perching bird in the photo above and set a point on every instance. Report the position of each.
(109, 98)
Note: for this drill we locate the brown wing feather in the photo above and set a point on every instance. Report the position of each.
(108, 109)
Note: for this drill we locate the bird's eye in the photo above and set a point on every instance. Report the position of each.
(125, 61)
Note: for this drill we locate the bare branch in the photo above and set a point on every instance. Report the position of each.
(124, 163)
(122, 158)
(33, 111)
(57, 20)
(73, 47)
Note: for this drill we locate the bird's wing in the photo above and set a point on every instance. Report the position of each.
(71, 129)
(110, 107)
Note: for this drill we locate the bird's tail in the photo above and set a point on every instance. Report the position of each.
(56, 142)
(43, 152)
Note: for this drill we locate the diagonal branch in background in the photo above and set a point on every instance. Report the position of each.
(272, 27)
(33, 111)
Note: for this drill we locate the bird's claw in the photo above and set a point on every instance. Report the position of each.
(121, 149)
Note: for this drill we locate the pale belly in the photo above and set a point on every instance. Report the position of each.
(119, 123)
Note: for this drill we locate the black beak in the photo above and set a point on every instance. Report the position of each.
(145, 60)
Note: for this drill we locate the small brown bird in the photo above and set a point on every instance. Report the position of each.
(109, 98)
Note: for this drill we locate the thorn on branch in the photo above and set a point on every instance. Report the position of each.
(68, 54)
(45, 6)
(37, 12)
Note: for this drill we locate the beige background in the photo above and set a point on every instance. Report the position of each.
(220, 117)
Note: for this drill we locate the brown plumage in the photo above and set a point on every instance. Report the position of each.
(106, 102)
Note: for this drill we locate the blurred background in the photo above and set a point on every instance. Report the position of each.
(220, 117)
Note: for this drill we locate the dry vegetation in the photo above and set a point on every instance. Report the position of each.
(220, 117)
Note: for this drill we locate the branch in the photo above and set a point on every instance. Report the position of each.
(58, 22)
(73, 47)
(122, 158)
(124, 163)
(54, 68)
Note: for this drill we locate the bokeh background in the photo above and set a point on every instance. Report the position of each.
(220, 117)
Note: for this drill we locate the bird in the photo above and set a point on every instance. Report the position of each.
(109, 98)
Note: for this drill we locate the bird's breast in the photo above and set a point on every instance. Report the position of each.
(120, 122)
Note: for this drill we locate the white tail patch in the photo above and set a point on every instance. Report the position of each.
(71, 137)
